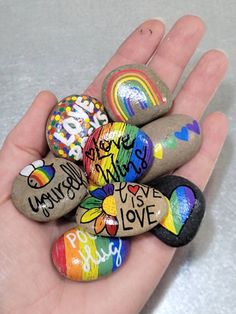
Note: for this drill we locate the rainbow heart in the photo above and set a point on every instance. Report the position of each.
(182, 134)
(181, 204)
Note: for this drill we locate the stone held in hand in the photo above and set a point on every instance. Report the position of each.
(185, 212)
(121, 209)
(70, 123)
(117, 152)
(176, 139)
(48, 189)
(135, 94)
(80, 256)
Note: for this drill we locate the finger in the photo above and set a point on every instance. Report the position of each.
(176, 49)
(27, 141)
(201, 84)
(200, 167)
(137, 48)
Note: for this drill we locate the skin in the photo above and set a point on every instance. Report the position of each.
(28, 281)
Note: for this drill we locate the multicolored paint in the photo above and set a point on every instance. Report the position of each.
(117, 152)
(71, 122)
(171, 141)
(121, 209)
(129, 87)
(39, 174)
(181, 203)
(81, 256)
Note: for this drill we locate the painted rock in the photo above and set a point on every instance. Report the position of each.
(135, 94)
(117, 152)
(185, 212)
(70, 123)
(176, 139)
(81, 256)
(48, 189)
(121, 210)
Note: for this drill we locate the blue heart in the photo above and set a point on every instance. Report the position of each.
(183, 134)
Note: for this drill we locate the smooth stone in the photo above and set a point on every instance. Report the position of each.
(117, 152)
(70, 123)
(121, 210)
(176, 139)
(135, 94)
(185, 212)
(48, 189)
(81, 256)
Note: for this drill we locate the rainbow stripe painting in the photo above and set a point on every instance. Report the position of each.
(117, 152)
(41, 176)
(181, 204)
(81, 256)
(129, 88)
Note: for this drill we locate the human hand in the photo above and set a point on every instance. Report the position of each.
(28, 280)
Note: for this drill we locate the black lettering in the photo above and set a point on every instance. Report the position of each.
(149, 213)
(140, 202)
(141, 219)
(122, 218)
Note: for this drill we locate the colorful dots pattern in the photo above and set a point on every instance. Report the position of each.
(73, 119)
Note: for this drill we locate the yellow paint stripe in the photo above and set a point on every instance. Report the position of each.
(92, 274)
(168, 222)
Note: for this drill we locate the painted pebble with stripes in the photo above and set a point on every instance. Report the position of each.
(176, 139)
(81, 256)
(185, 211)
(135, 94)
(48, 189)
(70, 123)
(117, 152)
(121, 209)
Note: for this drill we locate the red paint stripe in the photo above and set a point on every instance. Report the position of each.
(59, 255)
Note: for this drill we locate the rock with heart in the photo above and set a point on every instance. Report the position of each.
(121, 209)
(48, 189)
(185, 212)
(81, 256)
(135, 94)
(70, 123)
(176, 139)
(117, 152)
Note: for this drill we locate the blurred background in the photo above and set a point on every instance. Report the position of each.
(61, 45)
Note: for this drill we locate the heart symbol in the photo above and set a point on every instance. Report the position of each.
(90, 154)
(181, 204)
(158, 151)
(194, 127)
(182, 134)
(133, 189)
(169, 142)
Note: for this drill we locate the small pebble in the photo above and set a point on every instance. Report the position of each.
(48, 189)
(135, 94)
(176, 139)
(70, 123)
(80, 256)
(185, 212)
(117, 152)
(121, 210)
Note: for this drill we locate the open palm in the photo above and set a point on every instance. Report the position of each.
(28, 280)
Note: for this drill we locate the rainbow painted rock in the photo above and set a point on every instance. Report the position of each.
(185, 212)
(121, 210)
(176, 139)
(81, 256)
(48, 189)
(135, 94)
(117, 152)
(70, 123)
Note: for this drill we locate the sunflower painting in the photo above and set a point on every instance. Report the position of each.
(101, 208)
